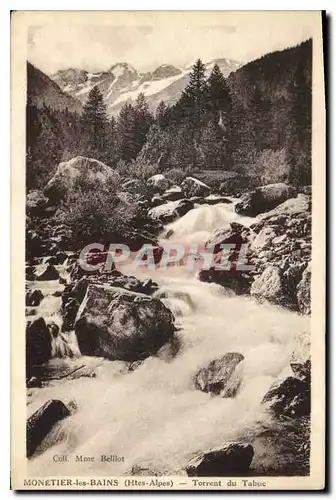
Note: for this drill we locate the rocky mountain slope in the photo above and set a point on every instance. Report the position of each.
(123, 83)
(41, 90)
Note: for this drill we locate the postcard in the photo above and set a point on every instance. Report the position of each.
(168, 250)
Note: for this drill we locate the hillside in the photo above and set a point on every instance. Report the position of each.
(272, 106)
(41, 90)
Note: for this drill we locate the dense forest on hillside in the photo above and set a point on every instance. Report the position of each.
(257, 122)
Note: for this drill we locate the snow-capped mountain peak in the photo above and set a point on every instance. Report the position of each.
(123, 83)
(120, 69)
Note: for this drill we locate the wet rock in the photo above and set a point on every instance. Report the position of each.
(233, 458)
(29, 271)
(172, 194)
(72, 298)
(156, 201)
(34, 298)
(270, 286)
(168, 212)
(264, 239)
(31, 311)
(134, 365)
(38, 344)
(194, 187)
(34, 382)
(303, 292)
(121, 325)
(59, 258)
(237, 281)
(46, 272)
(234, 233)
(42, 421)
(264, 198)
(289, 397)
(217, 376)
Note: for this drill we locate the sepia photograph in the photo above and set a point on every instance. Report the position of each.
(168, 198)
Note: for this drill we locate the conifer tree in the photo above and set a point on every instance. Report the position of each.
(125, 133)
(218, 93)
(142, 122)
(193, 99)
(95, 125)
(133, 125)
(161, 117)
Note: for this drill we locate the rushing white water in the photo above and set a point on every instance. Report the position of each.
(153, 416)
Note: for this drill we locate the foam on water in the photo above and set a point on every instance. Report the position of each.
(153, 416)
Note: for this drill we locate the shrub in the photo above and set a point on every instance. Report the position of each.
(271, 166)
(137, 169)
(97, 214)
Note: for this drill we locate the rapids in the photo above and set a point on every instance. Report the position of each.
(153, 416)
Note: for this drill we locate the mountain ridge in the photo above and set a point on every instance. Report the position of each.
(123, 83)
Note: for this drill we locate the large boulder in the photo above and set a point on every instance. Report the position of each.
(168, 212)
(42, 421)
(69, 172)
(34, 297)
(46, 272)
(289, 397)
(303, 292)
(237, 281)
(121, 325)
(292, 206)
(233, 233)
(194, 187)
(233, 458)
(158, 183)
(38, 344)
(290, 214)
(271, 286)
(218, 377)
(264, 198)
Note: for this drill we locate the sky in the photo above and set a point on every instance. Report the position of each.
(96, 41)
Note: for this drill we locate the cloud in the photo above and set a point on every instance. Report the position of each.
(96, 41)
